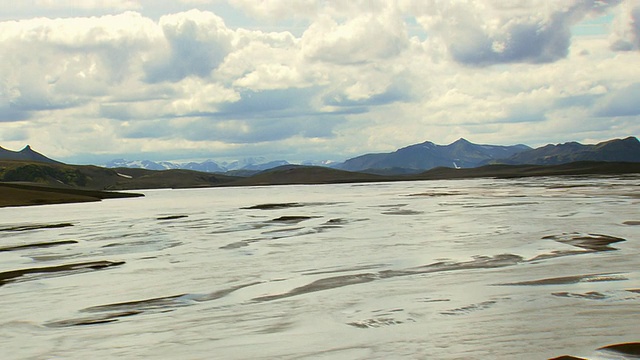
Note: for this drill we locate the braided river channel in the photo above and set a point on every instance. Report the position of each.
(529, 268)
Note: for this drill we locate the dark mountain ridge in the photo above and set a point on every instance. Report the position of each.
(403, 163)
(427, 155)
(624, 150)
(37, 182)
(26, 154)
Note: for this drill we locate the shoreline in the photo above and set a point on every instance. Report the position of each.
(13, 194)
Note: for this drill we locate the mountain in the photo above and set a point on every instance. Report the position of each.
(249, 164)
(141, 164)
(26, 154)
(621, 150)
(265, 166)
(206, 166)
(427, 155)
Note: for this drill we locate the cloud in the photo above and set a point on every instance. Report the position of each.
(232, 131)
(365, 38)
(63, 63)
(482, 33)
(9, 113)
(357, 95)
(337, 77)
(268, 103)
(15, 134)
(622, 102)
(277, 9)
(29, 9)
(265, 61)
(626, 34)
(196, 43)
(90, 4)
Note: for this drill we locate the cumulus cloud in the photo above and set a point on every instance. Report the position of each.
(246, 131)
(337, 78)
(278, 9)
(622, 102)
(481, 33)
(90, 4)
(365, 38)
(196, 43)
(626, 34)
(62, 63)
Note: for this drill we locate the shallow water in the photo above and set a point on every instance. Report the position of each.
(498, 269)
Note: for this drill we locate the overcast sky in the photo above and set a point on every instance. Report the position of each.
(86, 81)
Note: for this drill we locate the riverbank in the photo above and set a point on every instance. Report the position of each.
(25, 193)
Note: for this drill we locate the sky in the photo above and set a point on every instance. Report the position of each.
(88, 81)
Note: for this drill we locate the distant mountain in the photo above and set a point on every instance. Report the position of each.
(427, 155)
(620, 150)
(141, 164)
(251, 165)
(206, 166)
(265, 166)
(26, 154)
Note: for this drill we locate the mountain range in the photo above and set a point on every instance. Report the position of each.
(427, 155)
(250, 165)
(626, 150)
(30, 178)
(464, 154)
(412, 159)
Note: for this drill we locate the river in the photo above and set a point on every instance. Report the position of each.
(485, 269)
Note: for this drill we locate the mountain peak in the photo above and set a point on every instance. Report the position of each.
(26, 154)
(427, 155)
(461, 141)
(630, 140)
(621, 150)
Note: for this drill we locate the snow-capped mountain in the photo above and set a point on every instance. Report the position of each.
(254, 164)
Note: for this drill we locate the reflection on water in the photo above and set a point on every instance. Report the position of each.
(501, 269)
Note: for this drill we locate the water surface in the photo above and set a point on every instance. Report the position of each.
(499, 269)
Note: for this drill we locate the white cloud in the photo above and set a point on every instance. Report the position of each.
(481, 33)
(365, 38)
(196, 43)
(90, 4)
(352, 81)
(626, 28)
(277, 9)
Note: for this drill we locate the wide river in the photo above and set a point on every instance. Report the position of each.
(459, 269)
